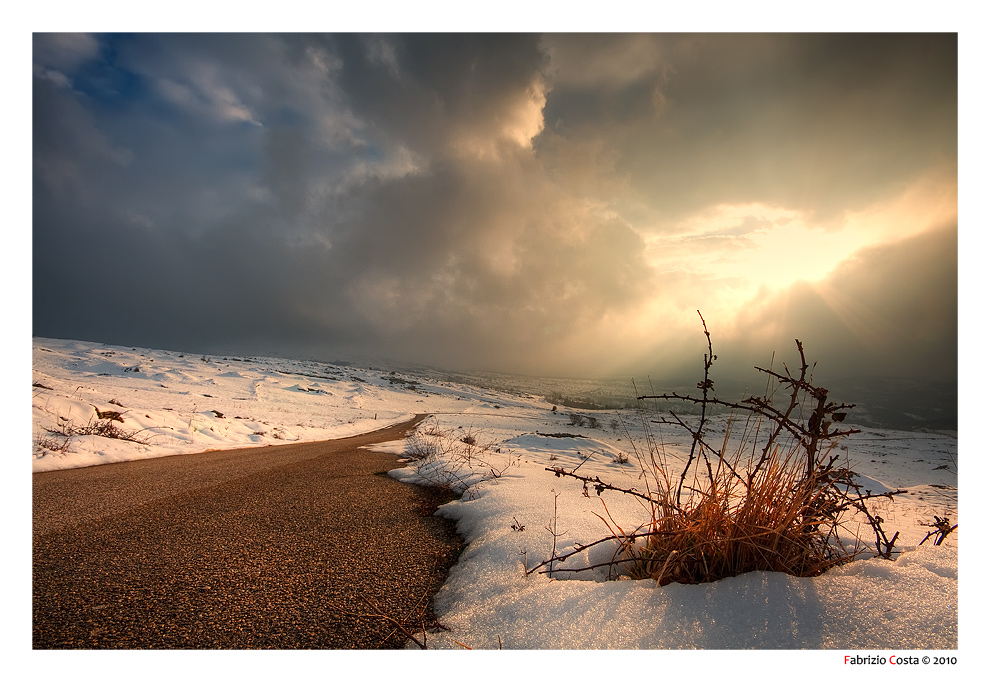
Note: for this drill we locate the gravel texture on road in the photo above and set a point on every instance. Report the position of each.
(303, 546)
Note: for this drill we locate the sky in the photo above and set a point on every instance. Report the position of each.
(559, 204)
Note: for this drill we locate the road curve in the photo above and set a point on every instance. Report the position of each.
(301, 546)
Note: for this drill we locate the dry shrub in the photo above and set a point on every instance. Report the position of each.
(104, 426)
(732, 525)
(454, 459)
(777, 502)
(55, 443)
(432, 441)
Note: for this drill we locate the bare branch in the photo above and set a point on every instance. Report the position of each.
(599, 484)
(780, 510)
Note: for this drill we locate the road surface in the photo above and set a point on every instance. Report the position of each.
(308, 545)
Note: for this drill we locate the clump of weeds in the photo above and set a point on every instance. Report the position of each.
(778, 500)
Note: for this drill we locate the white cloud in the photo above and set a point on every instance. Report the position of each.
(207, 95)
(56, 77)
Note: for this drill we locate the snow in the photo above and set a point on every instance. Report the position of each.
(493, 448)
(489, 601)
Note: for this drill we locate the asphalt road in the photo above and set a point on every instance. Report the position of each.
(302, 546)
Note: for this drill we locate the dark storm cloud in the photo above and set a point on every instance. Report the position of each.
(481, 266)
(418, 89)
(471, 200)
(815, 122)
(216, 228)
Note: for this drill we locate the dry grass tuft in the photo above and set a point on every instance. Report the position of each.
(773, 522)
(777, 503)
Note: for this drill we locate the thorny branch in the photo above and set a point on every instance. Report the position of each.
(942, 529)
(780, 511)
(598, 483)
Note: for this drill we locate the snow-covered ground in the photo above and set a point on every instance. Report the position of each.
(495, 447)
